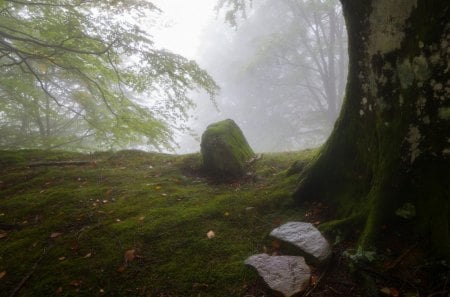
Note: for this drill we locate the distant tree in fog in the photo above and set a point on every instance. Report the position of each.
(283, 72)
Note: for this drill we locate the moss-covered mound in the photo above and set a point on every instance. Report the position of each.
(225, 150)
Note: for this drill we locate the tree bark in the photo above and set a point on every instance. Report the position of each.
(391, 144)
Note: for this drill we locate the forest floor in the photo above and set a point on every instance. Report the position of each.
(145, 224)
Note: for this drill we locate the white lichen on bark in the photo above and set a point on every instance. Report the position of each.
(387, 23)
(413, 139)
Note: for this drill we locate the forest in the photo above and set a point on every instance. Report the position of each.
(224, 148)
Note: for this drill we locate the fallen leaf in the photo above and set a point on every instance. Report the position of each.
(117, 220)
(394, 292)
(59, 290)
(385, 290)
(88, 255)
(3, 234)
(76, 283)
(129, 256)
(2, 274)
(210, 234)
(55, 234)
(61, 258)
(158, 188)
(313, 280)
(121, 269)
(276, 244)
(141, 218)
(226, 214)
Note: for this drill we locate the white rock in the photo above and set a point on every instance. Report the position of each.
(306, 237)
(288, 275)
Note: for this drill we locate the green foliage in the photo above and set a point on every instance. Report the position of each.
(85, 73)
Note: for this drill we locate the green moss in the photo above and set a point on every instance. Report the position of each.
(158, 205)
(225, 150)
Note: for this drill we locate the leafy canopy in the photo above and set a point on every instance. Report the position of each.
(85, 73)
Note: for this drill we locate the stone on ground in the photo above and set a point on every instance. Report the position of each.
(288, 275)
(306, 237)
(225, 150)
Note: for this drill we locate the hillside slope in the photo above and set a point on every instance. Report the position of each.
(135, 224)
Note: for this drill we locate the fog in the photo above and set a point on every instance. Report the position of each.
(281, 70)
(130, 80)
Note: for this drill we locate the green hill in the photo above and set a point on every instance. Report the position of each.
(135, 224)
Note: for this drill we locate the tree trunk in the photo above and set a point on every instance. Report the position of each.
(390, 146)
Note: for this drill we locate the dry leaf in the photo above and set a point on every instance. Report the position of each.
(129, 256)
(226, 214)
(276, 244)
(158, 188)
(3, 234)
(210, 234)
(55, 234)
(88, 255)
(385, 290)
(61, 258)
(141, 218)
(394, 292)
(2, 274)
(76, 283)
(313, 280)
(121, 269)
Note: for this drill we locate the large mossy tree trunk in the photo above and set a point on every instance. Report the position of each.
(391, 144)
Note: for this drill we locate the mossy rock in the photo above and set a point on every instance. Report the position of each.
(225, 150)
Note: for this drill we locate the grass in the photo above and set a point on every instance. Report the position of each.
(155, 204)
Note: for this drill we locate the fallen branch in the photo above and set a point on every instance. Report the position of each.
(61, 163)
(401, 257)
(27, 276)
(325, 271)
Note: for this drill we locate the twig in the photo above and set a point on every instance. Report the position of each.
(440, 293)
(61, 163)
(401, 257)
(309, 292)
(27, 276)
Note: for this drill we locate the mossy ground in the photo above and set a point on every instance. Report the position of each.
(157, 204)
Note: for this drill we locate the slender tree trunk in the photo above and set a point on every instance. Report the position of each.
(391, 146)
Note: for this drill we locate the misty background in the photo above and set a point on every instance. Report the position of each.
(280, 66)
(282, 73)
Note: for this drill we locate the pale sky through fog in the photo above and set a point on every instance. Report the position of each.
(186, 20)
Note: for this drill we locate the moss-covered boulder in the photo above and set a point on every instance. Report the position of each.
(225, 150)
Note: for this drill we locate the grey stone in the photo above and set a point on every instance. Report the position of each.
(288, 275)
(306, 237)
